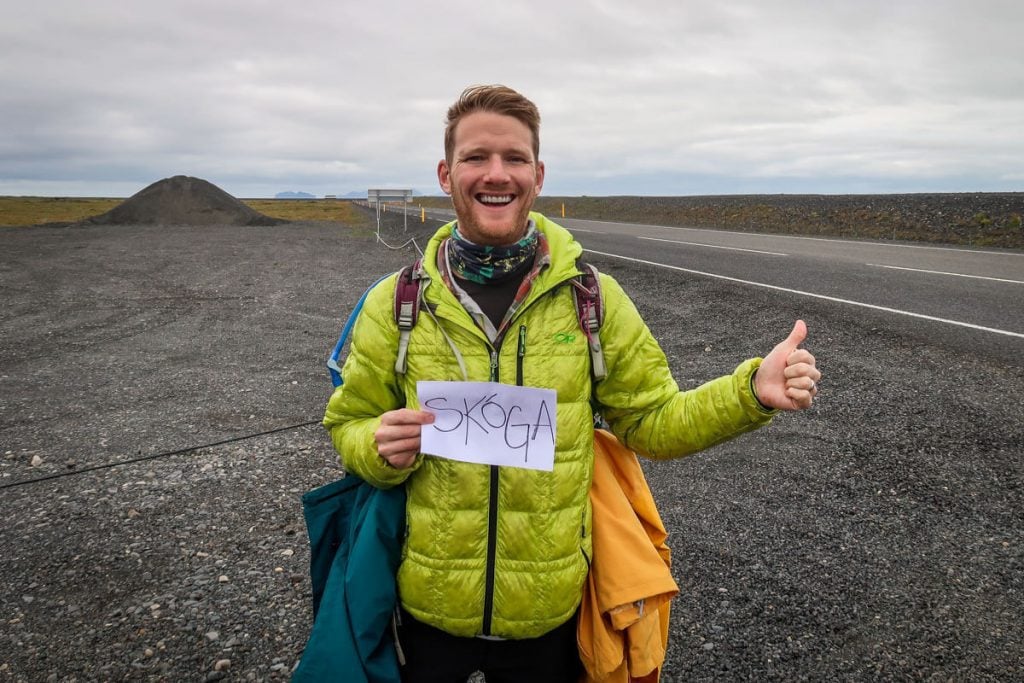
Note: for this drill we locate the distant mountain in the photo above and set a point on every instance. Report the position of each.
(294, 195)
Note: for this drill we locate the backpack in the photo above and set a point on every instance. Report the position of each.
(586, 293)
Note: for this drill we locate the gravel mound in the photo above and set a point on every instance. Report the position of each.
(182, 200)
(877, 537)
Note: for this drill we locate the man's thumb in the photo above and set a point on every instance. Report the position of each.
(797, 336)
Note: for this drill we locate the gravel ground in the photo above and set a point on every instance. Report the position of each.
(877, 537)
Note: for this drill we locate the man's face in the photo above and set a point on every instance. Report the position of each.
(493, 177)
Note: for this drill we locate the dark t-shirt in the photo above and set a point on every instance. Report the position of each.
(495, 297)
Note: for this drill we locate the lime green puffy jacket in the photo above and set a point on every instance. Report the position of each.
(504, 551)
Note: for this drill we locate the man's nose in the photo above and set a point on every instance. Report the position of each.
(496, 171)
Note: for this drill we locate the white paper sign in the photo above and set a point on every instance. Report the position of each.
(489, 423)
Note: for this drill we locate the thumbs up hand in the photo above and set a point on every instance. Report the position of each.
(788, 378)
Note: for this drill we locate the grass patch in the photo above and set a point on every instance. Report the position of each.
(24, 211)
(36, 210)
(330, 210)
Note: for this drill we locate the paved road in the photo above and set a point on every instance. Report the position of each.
(961, 287)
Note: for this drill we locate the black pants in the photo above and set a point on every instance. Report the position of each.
(433, 656)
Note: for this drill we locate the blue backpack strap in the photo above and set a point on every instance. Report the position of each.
(407, 309)
(332, 361)
(586, 294)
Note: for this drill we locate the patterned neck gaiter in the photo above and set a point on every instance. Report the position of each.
(484, 264)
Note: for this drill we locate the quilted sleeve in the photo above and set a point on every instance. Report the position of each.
(642, 402)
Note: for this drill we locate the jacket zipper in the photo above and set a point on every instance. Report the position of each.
(520, 355)
(492, 526)
(492, 508)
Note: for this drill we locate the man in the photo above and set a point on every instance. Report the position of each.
(495, 558)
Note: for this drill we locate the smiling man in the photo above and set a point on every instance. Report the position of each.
(493, 175)
(495, 557)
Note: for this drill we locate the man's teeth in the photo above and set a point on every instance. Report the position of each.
(496, 199)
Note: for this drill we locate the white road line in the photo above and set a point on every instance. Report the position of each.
(959, 250)
(942, 272)
(712, 246)
(813, 295)
(813, 239)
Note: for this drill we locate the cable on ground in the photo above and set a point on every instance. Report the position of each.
(190, 449)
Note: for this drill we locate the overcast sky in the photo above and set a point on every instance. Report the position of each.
(670, 97)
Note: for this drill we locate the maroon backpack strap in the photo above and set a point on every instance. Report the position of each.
(589, 302)
(407, 309)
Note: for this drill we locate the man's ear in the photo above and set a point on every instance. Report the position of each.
(444, 176)
(540, 176)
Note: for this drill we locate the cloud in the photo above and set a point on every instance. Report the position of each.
(643, 97)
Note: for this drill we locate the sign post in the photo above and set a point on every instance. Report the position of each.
(378, 197)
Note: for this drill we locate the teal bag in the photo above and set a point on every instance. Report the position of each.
(355, 535)
(355, 545)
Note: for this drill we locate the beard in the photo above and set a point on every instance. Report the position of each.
(487, 231)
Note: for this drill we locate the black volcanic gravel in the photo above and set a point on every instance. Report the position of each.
(181, 200)
(879, 536)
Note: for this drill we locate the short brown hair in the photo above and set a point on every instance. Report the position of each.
(497, 99)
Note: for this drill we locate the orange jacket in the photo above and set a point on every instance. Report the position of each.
(623, 621)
